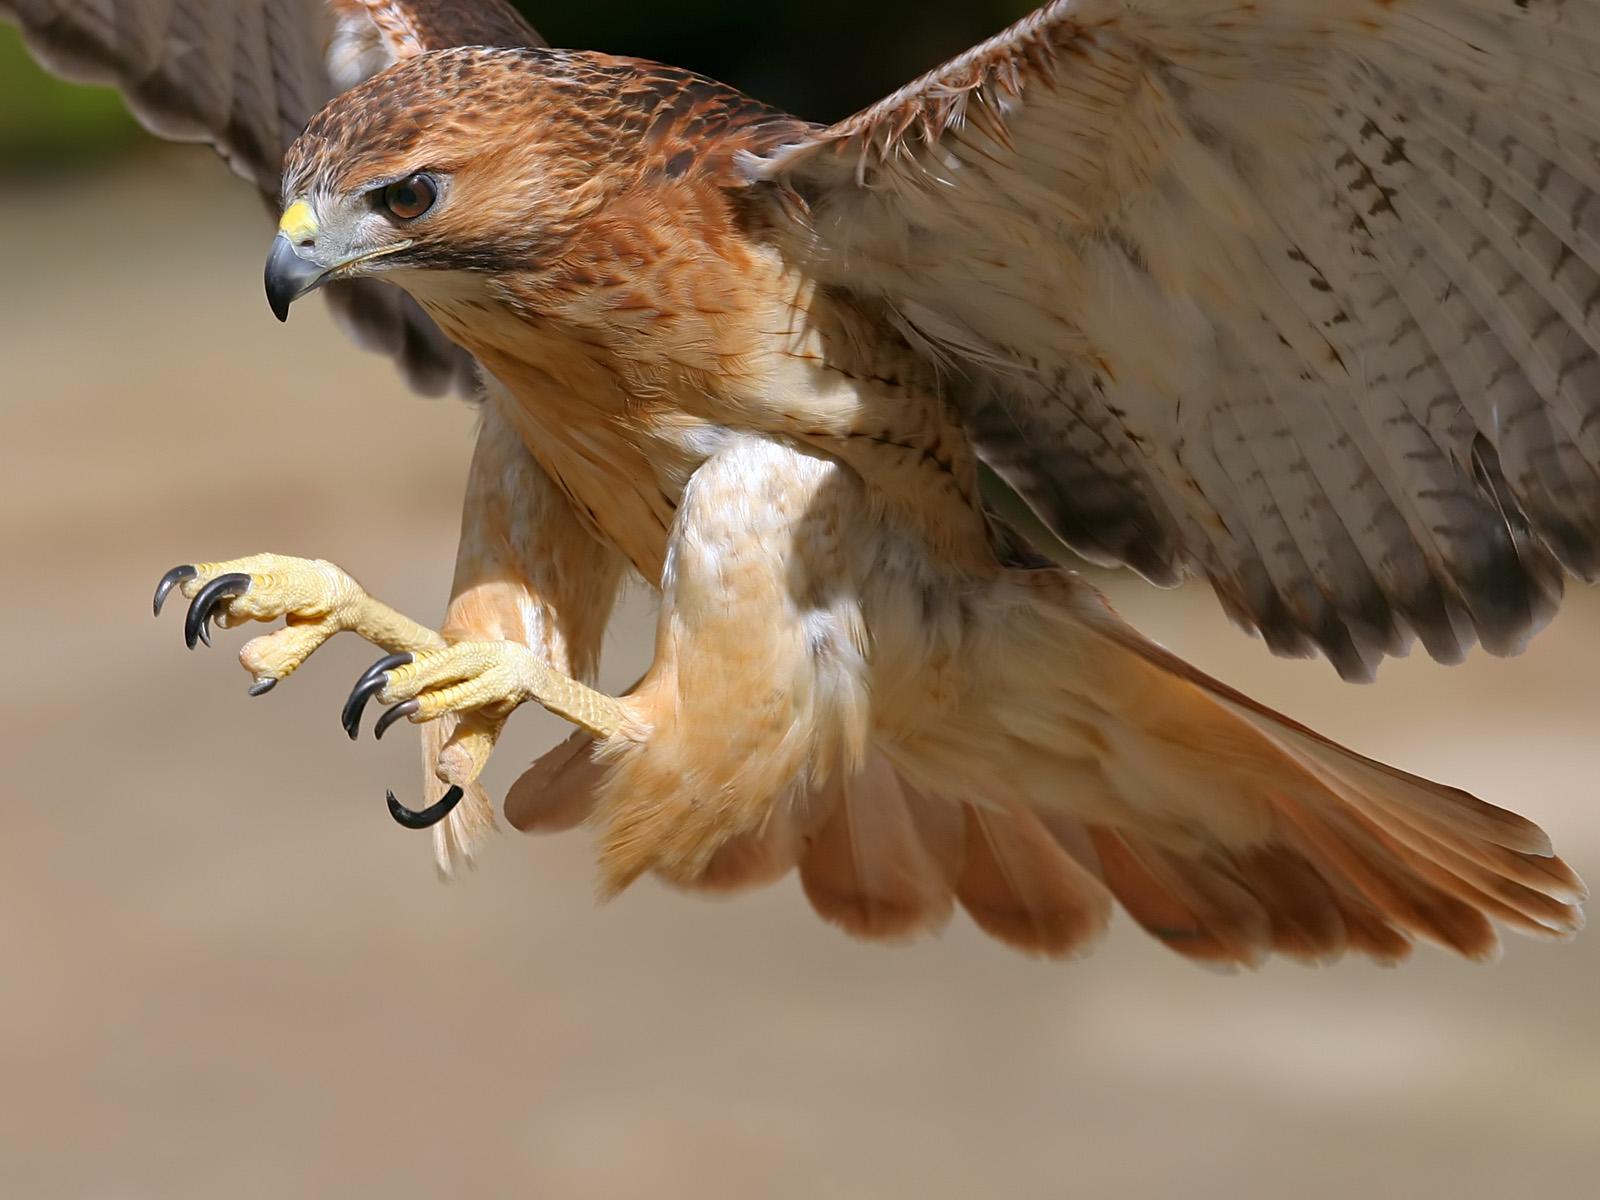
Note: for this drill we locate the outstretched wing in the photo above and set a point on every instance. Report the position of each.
(1299, 295)
(246, 76)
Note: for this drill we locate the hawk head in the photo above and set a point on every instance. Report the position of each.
(457, 160)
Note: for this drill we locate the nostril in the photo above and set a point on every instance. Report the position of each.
(306, 243)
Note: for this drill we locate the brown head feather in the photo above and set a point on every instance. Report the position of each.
(533, 140)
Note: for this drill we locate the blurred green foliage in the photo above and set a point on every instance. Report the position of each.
(44, 121)
(822, 59)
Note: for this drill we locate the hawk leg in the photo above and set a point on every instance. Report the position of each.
(529, 604)
(490, 678)
(424, 677)
(316, 598)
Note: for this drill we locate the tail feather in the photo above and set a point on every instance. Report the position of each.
(1515, 909)
(1541, 872)
(1400, 855)
(1165, 911)
(1020, 886)
(868, 869)
(751, 860)
(1560, 919)
(1227, 831)
(1376, 787)
(1307, 924)
(941, 827)
(1506, 900)
(1341, 846)
(1352, 777)
(1366, 930)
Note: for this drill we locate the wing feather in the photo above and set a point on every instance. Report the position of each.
(245, 77)
(1300, 296)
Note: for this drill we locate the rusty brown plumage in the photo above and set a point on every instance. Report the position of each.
(582, 116)
(1117, 257)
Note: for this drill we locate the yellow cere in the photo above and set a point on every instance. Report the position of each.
(298, 222)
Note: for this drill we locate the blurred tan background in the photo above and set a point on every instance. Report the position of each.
(228, 974)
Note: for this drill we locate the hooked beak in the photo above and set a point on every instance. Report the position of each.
(291, 273)
(288, 276)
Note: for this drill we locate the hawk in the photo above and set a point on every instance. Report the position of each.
(1301, 297)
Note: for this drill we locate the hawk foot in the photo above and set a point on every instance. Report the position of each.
(422, 679)
(480, 684)
(316, 599)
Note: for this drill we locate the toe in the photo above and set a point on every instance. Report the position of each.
(465, 677)
(466, 752)
(459, 678)
(427, 672)
(279, 654)
(197, 622)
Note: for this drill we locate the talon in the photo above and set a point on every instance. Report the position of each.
(169, 581)
(390, 716)
(372, 680)
(197, 622)
(262, 686)
(423, 818)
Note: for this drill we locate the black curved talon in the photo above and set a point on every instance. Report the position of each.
(390, 716)
(169, 581)
(197, 622)
(262, 686)
(371, 681)
(413, 818)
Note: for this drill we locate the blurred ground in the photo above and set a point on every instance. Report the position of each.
(229, 974)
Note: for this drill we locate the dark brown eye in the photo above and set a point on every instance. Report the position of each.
(411, 197)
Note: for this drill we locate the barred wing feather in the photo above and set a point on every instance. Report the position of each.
(1302, 296)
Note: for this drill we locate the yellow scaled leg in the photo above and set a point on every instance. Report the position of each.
(316, 598)
(485, 681)
(423, 676)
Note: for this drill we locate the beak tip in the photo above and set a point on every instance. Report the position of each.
(288, 277)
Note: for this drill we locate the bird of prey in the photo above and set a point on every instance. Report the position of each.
(1301, 297)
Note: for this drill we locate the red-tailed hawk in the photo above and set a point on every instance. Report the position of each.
(1300, 296)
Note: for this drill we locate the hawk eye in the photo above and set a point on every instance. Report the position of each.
(411, 197)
